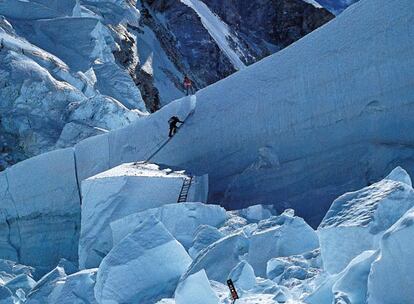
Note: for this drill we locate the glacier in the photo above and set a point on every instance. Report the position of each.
(315, 128)
(356, 124)
(149, 261)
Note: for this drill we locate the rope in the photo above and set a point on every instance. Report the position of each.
(161, 145)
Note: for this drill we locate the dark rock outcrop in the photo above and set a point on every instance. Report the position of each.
(187, 42)
(268, 26)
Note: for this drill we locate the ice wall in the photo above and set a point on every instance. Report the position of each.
(328, 114)
(40, 211)
(279, 130)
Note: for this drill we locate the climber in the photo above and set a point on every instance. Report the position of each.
(173, 125)
(188, 85)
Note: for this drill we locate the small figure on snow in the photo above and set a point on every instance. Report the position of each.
(188, 85)
(173, 125)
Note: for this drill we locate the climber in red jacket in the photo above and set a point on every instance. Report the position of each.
(188, 85)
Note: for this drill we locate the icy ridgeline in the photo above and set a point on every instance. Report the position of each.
(157, 251)
(50, 96)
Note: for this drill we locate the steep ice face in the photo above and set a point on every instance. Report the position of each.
(150, 258)
(40, 220)
(363, 215)
(390, 279)
(111, 56)
(357, 123)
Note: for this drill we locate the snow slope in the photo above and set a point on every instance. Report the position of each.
(217, 29)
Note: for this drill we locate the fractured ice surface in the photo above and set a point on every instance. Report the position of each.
(363, 215)
(149, 258)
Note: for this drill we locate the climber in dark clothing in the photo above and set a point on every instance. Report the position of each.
(173, 125)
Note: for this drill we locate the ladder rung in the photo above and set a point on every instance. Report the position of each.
(182, 197)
